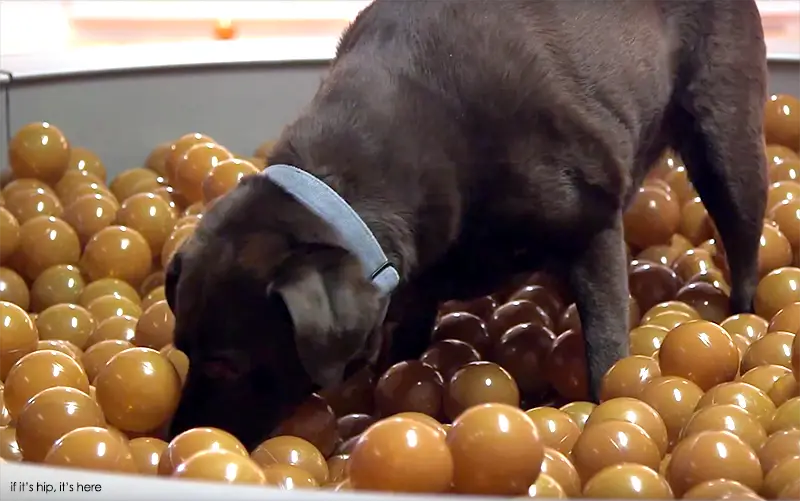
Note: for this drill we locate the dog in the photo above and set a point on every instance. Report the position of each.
(475, 140)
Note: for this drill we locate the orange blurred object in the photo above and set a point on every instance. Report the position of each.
(224, 29)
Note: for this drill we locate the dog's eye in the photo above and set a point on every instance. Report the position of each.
(222, 369)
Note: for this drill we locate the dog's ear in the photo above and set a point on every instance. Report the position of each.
(335, 311)
(171, 276)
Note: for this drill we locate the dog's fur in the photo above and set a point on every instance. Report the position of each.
(477, 139)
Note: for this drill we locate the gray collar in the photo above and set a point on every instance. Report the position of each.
(352, 232)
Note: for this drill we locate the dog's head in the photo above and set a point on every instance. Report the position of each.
(264, 317)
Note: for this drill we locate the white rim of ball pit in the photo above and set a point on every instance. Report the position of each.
(169, 55)
(781, 19)
(137, 487)
(155, 56)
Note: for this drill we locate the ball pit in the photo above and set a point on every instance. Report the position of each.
(706, 407)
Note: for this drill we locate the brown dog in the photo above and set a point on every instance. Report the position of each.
(477, 139)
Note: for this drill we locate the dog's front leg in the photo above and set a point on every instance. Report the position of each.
(599, 280)
(412, 334)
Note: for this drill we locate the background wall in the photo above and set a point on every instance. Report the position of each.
(785, 77)
(123, 116)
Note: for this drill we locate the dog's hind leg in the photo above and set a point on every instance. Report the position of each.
(720, 116)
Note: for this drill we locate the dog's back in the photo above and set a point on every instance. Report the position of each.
(549, 64)
(453, 89)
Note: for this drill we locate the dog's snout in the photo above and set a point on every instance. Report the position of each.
(235, 407)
